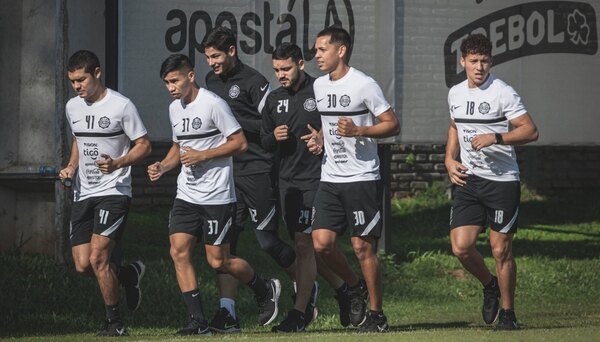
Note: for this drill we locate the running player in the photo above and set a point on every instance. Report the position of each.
(205, 136)
(487, 192)
(287, 112)
(349, 194)
(104, 123)
(245, 90)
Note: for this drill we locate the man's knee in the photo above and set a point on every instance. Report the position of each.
(218, 263)
(99, 259)
(280, 251)
(502, 253)
(461, 252)
(179, 254)
(363, 248)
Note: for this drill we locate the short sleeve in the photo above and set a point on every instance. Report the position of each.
(374, 99)
(132, 123)
(223, 118)
(512, 106)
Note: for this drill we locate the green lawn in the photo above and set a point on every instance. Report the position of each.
(427, 295)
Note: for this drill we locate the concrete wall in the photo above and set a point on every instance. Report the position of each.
(28, 138)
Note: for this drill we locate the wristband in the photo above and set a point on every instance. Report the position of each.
(499, 139)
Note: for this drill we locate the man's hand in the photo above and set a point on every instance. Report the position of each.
(67, 172)
(314, 141)
(281, 133)
(483, 140)
(347, 128)
(106, 165)
(456, 172)
(155, 171)
(190, 157)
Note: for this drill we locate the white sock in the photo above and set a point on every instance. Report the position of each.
(228, 304)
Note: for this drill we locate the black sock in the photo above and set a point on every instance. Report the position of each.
(376, 313)
(192, 301)
(342, 289)
(492, 284)
(297, 313)
(361, 284)
(259, 287)
(112, 312)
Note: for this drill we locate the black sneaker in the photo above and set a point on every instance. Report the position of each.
(268, 306)
(344, 304)
(195, 327)
(223, 322)
(133, 293)
(375, 322)
(491, 302)
(358, 303)
(507, 320)
(113, 328)
(293, 322)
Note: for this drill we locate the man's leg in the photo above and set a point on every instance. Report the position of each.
(506, 267)
(100, 250)
(324, 242)
(306, 270)
(463, 246)
(463, 241)
(182, 247)
(266, 292)
(364, 248)
(81, 258)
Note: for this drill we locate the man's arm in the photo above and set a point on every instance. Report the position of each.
(259, 90)
(456, 170)
(140, 150)
(524, 131)
(387, 126)
(268, 137)
(235, 143)
(69, 170)
(170, 161)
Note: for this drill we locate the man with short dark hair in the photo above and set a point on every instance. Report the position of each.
(205, 136)
(245, 90)
(481, 163)
(104, 124)
(349, 194)
(288, 112)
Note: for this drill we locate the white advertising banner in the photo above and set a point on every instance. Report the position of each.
(151, 30)
(547, 51)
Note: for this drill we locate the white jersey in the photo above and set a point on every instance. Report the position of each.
(204, 123)
(104, 127)
(359, 97)
(481, 110)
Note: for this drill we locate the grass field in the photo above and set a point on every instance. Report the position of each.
(427, 295)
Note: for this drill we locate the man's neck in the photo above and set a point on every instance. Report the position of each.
(98, 95)
(191, 96)
(340, 71)
(298, 84)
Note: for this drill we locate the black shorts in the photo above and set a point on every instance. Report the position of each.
(257, 200)
(486, 203)
(103, 215)
(209, 222)
(296, 205)
(339, 205)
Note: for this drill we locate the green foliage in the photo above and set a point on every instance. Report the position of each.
(427, 293)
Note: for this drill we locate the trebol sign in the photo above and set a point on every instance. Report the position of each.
(527, 29)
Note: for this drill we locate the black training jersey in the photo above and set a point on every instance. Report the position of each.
(296, 110)
(245, 90)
